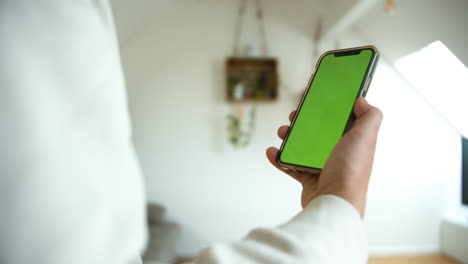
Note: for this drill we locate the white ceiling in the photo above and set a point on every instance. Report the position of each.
(133, 16)
(414, 24)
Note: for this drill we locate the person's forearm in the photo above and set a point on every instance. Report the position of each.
(328, 231)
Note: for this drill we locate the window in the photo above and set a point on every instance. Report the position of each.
(442, 79)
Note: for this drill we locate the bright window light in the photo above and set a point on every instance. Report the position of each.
(442, 79)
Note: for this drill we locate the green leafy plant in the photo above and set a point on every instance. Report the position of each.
(238, 135)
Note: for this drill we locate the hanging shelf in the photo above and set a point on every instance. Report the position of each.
(251, 79)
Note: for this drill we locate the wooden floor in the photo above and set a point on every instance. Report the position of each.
(426, 259)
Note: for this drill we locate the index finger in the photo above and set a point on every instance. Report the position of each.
(292, 115)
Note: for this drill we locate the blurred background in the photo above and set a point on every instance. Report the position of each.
(174, 54)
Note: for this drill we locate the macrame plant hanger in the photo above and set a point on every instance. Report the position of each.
(261, 27)
(249, 78)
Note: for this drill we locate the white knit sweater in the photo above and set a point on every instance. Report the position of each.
(329, 230)
(70, 186)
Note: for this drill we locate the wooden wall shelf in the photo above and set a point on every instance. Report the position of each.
(250, 79)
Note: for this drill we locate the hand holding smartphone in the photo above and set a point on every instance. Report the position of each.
(325, 112)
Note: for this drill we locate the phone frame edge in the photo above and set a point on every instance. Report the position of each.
(362, 93)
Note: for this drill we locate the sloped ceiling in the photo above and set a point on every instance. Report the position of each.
(415, 24)
(132, 16)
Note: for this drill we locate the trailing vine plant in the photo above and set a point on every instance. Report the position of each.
(240, 130)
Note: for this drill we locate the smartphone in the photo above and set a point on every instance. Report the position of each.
(325, 112)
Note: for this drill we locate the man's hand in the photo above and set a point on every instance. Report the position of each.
(347, 170)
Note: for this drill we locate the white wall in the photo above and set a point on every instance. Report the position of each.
(418, 157)
(175, 75)
(416, 173)
(434, 171)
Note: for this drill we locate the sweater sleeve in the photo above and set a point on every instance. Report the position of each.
(70, 185)
(328, 231)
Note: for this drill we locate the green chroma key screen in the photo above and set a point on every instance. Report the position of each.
(327, 106)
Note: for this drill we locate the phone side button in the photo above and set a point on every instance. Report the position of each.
(366, 89)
